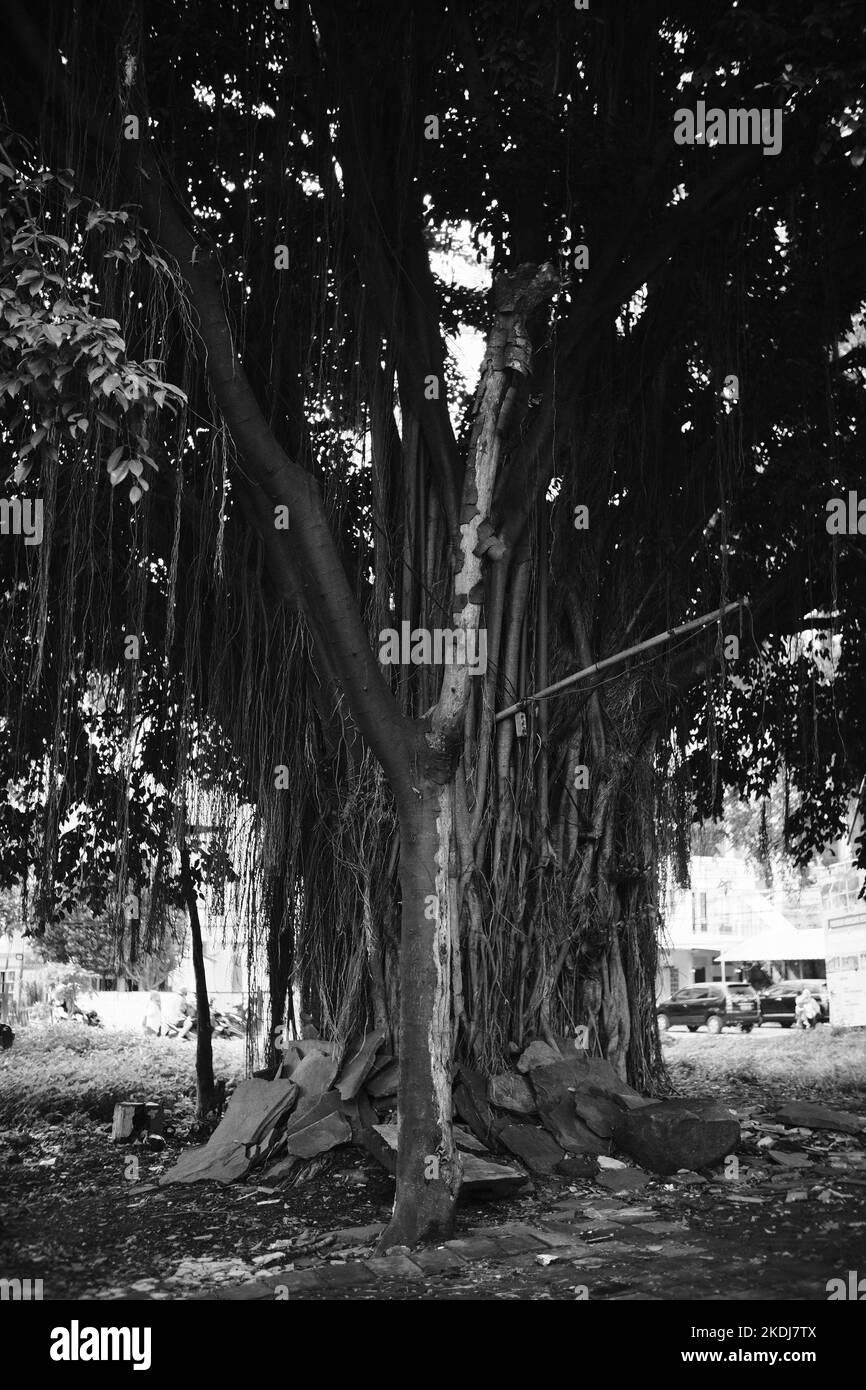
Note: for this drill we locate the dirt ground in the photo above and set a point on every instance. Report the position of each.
(88, 1218)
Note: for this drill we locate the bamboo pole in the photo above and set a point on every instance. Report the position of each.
(650, 642)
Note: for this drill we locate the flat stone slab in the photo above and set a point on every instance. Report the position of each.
(466, 1141)
(622, 1179)
(809, 1115)
(519, 1244)
(437, 1261)
(253, 1111)
(549, 1236)
(534, 1147)
(506, 1228)
(394, 1266)
(474, 1248)
(339, 1275)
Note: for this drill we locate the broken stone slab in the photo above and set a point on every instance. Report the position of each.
(313, 1075)
(470, 1103)
(136, 1117)
(281, 1169)
(297, 1049)
(358, 1063)
(570, 1132)
(790, 1160)
(481, 1177)
(511, 1091)
(600, 1113)
(554, 1087)
(384, 1082)
(534, 1147)
(465, 1140)
(603, 1080)
(254, 1110)
(382, 1060)
(811, 1115)
(538, 1054)
(317, 1129)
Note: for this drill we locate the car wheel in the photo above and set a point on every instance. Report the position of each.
(788, 1025)
(692, 1027)
(714, 1024)
(664, 1023)
(746, 1027)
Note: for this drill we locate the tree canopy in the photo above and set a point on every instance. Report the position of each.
(238, 301)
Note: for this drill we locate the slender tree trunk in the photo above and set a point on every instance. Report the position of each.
(204, 1077)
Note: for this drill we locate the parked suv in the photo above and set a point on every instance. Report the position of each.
(717, 1005)
(778, 1001)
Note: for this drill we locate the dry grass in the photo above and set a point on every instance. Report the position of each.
(66, 1070)
(828, 1064)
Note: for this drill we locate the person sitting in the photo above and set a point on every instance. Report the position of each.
(807, 1010)
(185, 1021)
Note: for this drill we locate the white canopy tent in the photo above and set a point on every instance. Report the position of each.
(778, 943)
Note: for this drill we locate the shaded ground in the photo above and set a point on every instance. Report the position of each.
(86, 1217)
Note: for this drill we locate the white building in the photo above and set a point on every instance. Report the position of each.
(709, 926)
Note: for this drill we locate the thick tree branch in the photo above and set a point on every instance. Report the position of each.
(330, 605)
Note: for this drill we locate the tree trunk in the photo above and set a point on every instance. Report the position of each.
(204, 1078)
(429, 1167)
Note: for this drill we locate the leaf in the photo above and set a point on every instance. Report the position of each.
(114, 457)
(135, 494)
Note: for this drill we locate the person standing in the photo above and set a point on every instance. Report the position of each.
(153, 1015)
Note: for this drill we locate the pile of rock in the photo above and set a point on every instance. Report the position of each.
(561, 1111)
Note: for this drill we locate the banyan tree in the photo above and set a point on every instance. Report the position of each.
(291, 445)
